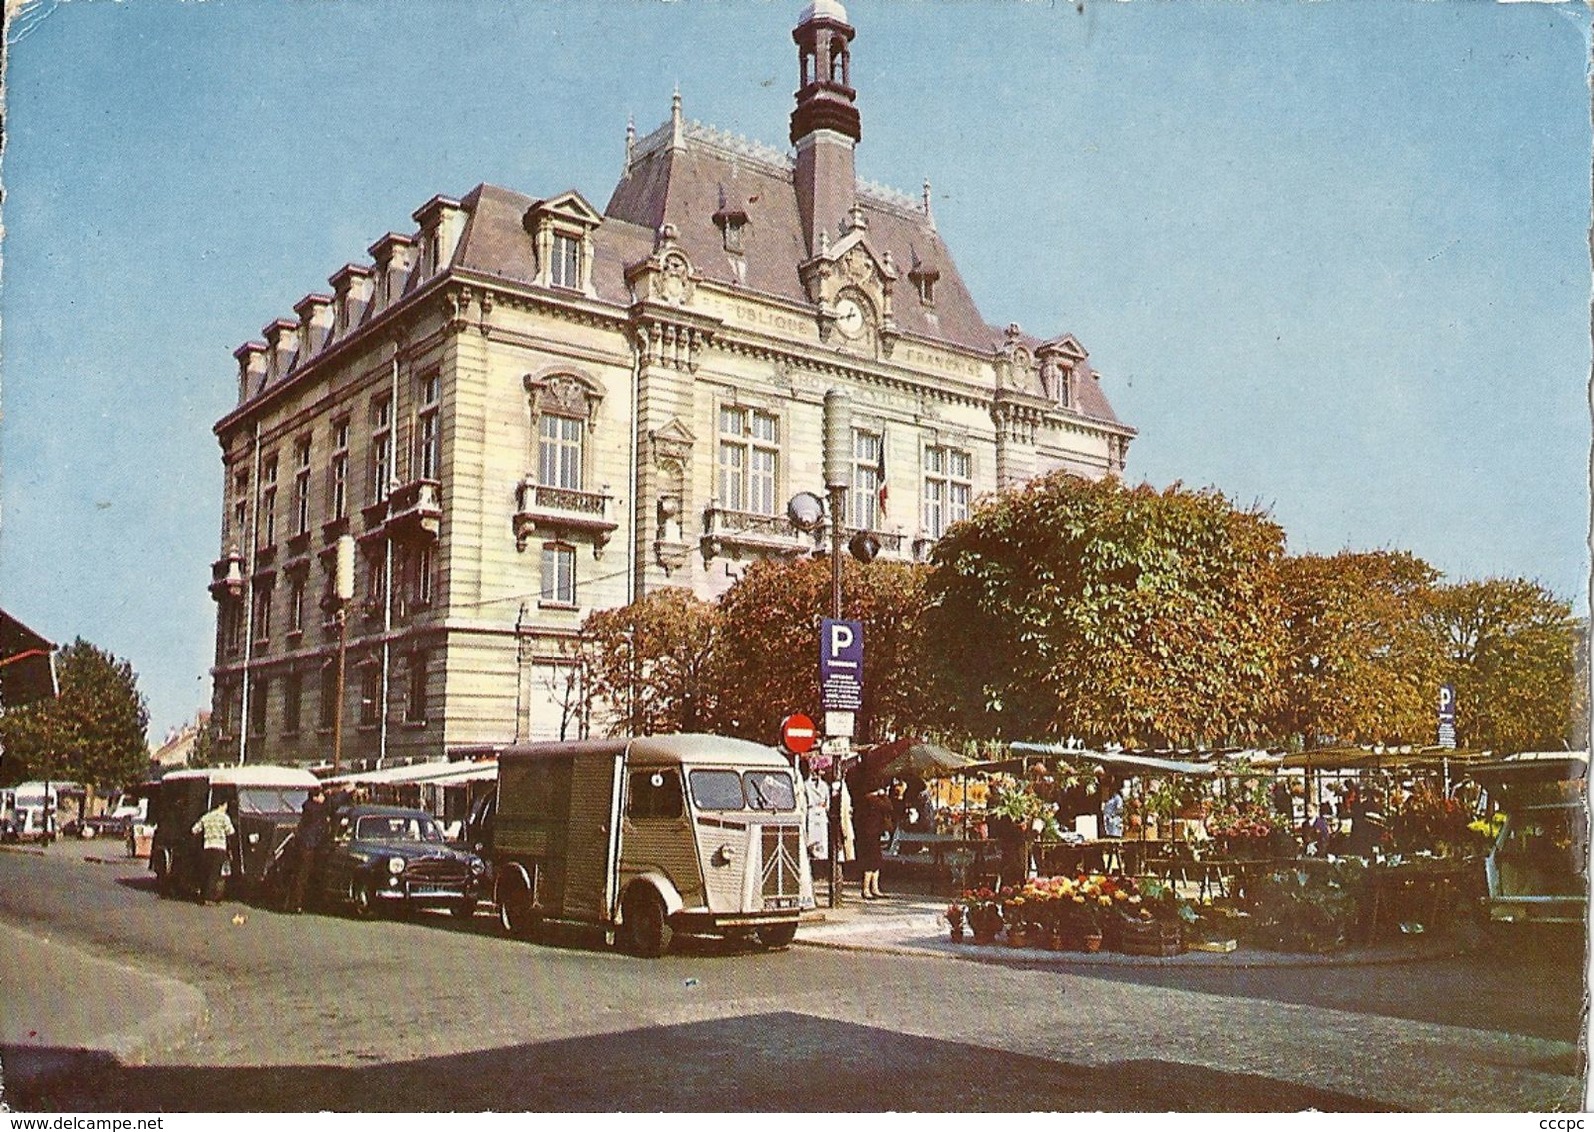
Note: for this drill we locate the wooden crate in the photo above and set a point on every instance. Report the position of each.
(1149, 938)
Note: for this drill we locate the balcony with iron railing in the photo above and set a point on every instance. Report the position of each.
(738, 533)
(563, 511)
(415, 507)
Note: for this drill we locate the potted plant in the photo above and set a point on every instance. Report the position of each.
(983, 912)
(1083, 914)
(1014, 915)
(954, 919)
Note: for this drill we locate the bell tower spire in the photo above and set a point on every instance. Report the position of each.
(825, 126)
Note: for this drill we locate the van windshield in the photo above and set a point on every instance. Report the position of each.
(750, 790)
(271, 799)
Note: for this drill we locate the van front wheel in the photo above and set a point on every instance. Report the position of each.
(645, 924)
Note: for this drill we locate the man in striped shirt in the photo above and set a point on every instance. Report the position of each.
(215, 827)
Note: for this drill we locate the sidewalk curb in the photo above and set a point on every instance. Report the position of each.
(885, 936)
(182, 1012)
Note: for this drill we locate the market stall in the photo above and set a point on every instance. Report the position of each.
(1308, 851)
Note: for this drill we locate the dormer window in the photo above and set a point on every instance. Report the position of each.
(732, 223)
(924, 280)
(565, 268)
(562, 234)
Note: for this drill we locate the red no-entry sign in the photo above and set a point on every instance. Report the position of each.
(798, 734)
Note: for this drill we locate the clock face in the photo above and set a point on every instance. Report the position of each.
(849, 317)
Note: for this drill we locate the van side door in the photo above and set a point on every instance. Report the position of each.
(592, 843)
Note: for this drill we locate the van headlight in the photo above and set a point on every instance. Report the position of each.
(395, 865)
(476, 867)
(724, 855)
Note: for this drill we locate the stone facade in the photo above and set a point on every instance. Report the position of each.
(527, 409)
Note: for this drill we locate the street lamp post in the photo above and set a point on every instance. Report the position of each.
(838, 478)
(342, 594)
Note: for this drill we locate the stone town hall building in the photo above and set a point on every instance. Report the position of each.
(530, 408)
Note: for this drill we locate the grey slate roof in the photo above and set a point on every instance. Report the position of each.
(686, 185)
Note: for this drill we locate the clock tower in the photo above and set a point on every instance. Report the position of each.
(825, 126)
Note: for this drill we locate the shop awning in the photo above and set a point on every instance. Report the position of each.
(1535, 767)
(903, 757)
(1122, 760)
(1394, 758)
(417, 773)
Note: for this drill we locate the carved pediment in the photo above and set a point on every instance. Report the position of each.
(569, 206)
(565, 392)
(666, 276)
(672, 446)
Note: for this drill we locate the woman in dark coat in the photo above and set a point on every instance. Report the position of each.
(871, 818)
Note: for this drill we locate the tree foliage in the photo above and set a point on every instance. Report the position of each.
(1363, 663)
(93, 733)
(1509, 643)
(1072, 607)
(767, 662)
(647, 663)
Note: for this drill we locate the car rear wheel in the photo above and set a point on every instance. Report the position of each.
(516, 912)
(645, 925)
(776, 935)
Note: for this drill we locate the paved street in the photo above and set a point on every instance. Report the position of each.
(251, 1010)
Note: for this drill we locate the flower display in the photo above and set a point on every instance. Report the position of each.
(982, 908)
(1429, 819)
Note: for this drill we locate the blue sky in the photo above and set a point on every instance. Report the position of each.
(1329, 257)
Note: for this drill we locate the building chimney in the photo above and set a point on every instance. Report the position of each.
(825, 127)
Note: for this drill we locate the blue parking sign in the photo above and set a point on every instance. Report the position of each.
(1447, 715)
(841, 665)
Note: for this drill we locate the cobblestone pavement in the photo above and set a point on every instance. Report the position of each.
(320, 1012)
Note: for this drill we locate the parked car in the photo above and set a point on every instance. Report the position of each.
(121, 814)
(387, 857)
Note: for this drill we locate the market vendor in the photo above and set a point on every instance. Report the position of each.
(1112, 812)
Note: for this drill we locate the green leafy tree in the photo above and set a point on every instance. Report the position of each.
(1111, 613)
(93, 733)
(1510, 649)
(766, 663)
(1363, 663)
(647, 663)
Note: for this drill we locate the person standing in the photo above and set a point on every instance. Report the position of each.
(214, 828)
(817, 819)
(1112, 815)
(308, 837)
(872, 818)
(1315, 833)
